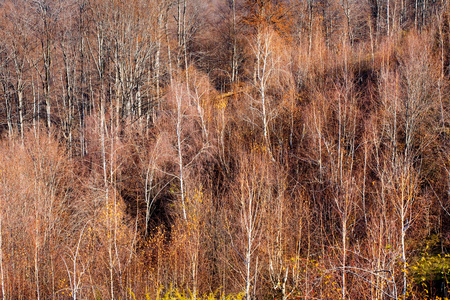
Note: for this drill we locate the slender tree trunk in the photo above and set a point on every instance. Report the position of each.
(47, 81)
(179, 31)
(416, 14)
(388, 17)
(68, 102)
(35, 108)
(344, 255)
(234, 60)
(442, 73)
(424, 12)
(169, 52)
(185, 50)
(82, 105)
(2, 278)
(250, 214)
(262, 72)
(310, 26)
(403, 246)
(157, 68)
(378, 20)
(20, 108)
(248, 257)
(36, 232)
(8, 110)
(148, 188)
(19, 69)
(179, 95)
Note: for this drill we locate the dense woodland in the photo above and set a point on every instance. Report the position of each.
(254, 149)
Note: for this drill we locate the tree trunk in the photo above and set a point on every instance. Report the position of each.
(179, 95)
(234, 60)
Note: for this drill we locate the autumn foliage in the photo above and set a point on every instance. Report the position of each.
(227, 149)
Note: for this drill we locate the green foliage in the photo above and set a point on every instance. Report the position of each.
(431, 270)
(432, 267)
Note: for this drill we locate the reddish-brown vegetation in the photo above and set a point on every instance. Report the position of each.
(277, 149)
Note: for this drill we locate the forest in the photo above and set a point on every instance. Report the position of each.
(224, 149)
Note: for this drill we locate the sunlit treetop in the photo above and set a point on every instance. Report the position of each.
(268, 13)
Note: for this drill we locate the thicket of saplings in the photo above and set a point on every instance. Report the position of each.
(174, 149)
